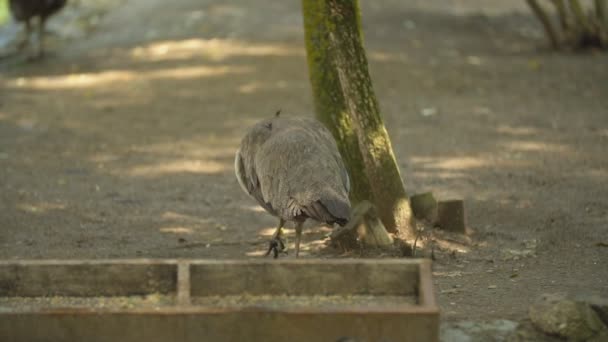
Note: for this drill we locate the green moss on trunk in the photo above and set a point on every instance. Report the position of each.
(329, 102)
(346, 103)
(3, 11)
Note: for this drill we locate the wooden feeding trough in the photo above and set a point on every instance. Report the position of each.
(217, 300)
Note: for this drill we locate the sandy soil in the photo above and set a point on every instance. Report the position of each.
(121, 144)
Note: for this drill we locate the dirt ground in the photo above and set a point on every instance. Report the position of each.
(121, 144)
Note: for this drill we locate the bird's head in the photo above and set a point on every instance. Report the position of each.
(258, 134)
(250, 145)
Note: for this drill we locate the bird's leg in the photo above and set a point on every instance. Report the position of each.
(40, 47)
(298, 237)
(276, 244)
(28, 32)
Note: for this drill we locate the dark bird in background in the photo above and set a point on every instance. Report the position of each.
(292, 168)
(26, 10)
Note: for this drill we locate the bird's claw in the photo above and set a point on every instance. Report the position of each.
(276, 246)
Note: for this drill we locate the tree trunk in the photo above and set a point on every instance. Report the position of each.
(345, 100)
(560, 7)
(546, 21)
(330, 107)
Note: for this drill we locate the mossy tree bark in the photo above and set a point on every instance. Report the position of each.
(330, 106)
(346, 103)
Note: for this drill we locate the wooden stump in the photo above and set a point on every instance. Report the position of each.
(424, 206)
(364, 226)
(450, 216)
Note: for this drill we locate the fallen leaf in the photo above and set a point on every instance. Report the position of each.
(534, 64)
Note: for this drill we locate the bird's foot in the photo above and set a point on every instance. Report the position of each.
(276, 246)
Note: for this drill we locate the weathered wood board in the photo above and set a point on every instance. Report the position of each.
(217, 300)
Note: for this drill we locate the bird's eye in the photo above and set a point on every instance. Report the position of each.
(268, 125)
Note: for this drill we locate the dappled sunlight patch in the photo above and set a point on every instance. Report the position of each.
(172, 215)
(458, 167)
(311, 245)
(512, 130)
(40, 207)
(439, 174)
(254, 208)
(214, 49)
(176, 230)
(452, 246)
(537, 146)
(84, 80)
(462, 163)
(211, 155)
(255, 86)
(452, 163)
(104, 158)
(250, 87)
(269, 231)
(178, 166)
(386, 57)
(198, 71)
(194, 149)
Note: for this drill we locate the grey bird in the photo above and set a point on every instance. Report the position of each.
(26, 10)
(292, 168)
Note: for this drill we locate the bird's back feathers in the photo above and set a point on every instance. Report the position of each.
(26, 9)
(295, 171)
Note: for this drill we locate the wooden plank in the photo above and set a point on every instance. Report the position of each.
(86, 278)
(189, 322)
(229, 326)
(305, 277)
(426, 295)
(183, 283)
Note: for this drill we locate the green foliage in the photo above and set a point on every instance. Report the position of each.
(3, 11)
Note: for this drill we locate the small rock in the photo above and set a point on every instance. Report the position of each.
(492, 287)
(429, 111)
(599, 304)
(409, 24)
(575, 321)
(526, 332)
